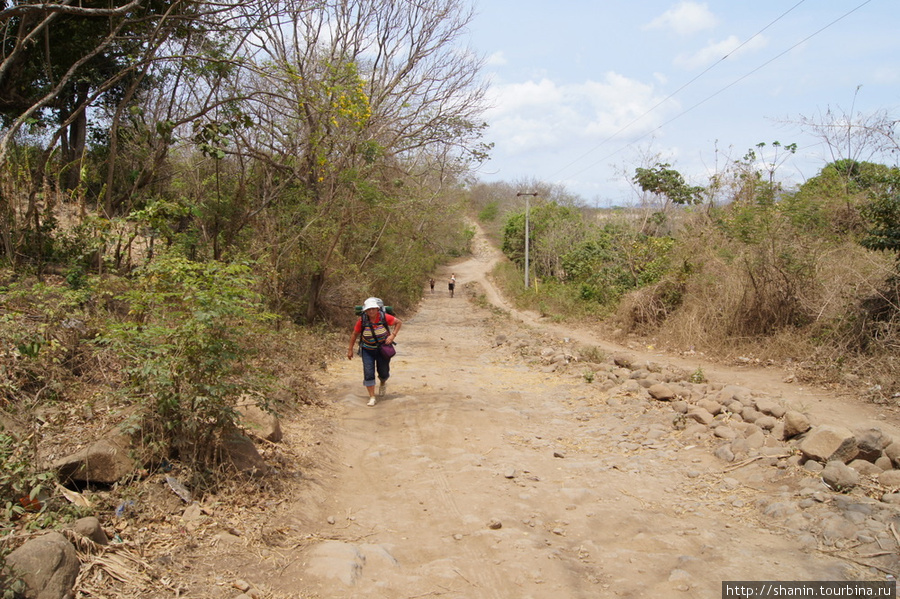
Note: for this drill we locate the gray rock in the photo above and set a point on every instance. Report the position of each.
(770, 407)
(892, 451)
(713, 407)
(725, 432)
(766, 422)
(777, 431)
(839, 476)
(243, 455)
(661, 392)
(729, 392)
(700, 415)
(756, 440)
(813, 466)
(795, 423)
(681, 390)
(725, 454)
(751, 429)
(750, 414)
(734, 406)
(104, 461)
(890, 478)
(871, 442)
(740, 447)
(694, 431)
(827, 443)
(90, 527)
(622, 360)
(259, 422)
(739, 425)
(631, 386)
(48, 565)
(884, 463)
(865, 468)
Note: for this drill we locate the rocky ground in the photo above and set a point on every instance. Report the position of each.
(512, 457)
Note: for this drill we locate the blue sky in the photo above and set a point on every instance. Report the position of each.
(582, 92)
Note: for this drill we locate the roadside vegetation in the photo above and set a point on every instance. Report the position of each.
(193, 196)
(805, 278)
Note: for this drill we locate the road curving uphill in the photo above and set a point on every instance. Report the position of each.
(504, 464)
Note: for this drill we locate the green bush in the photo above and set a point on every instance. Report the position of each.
(617, 261)
(188, 342)
(489, 212)
(20, 483)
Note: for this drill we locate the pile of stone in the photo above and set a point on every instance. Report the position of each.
(751, 425)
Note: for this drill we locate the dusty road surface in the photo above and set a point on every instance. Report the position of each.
(483, 475)
(486, 474)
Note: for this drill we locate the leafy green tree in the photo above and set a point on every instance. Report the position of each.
(831, 202)
(365, 102)
(87, 57)
(882, 213)
(614, 261)
(553, 229)
(667, 183)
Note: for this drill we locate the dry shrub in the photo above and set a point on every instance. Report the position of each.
(705, 318)
(844, 278)
(723, 313)
(644, 310)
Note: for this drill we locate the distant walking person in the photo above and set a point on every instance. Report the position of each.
(452, 284)
(431, 282)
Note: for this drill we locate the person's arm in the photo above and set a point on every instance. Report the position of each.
(396, 328)
(353, 337)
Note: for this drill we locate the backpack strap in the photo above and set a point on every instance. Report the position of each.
(367, 322)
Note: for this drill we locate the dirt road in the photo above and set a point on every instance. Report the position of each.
(481, 476)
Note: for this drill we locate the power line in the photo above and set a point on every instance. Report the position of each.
(713, 95)
(673, 94)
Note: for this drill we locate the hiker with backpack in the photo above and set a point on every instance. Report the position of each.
(376, 330)
(451, 285)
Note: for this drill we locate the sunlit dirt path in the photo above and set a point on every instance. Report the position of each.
(480, 476)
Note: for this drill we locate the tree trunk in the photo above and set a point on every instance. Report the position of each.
(77, 140)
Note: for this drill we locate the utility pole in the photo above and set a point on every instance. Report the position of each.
(534, 195)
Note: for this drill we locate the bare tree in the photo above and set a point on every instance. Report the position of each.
(361, 95)
(851, 135)
(58, 64)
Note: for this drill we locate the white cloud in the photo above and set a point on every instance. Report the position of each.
(715, 51)
(886, 75)
(685, 18)
(497, 59)
(545, 115)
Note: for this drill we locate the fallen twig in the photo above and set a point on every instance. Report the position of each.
(743, 463)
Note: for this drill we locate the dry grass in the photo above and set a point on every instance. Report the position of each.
(838, 322)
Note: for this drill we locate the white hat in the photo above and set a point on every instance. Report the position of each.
(372, 302)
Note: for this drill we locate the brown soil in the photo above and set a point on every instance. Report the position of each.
(480, 475)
